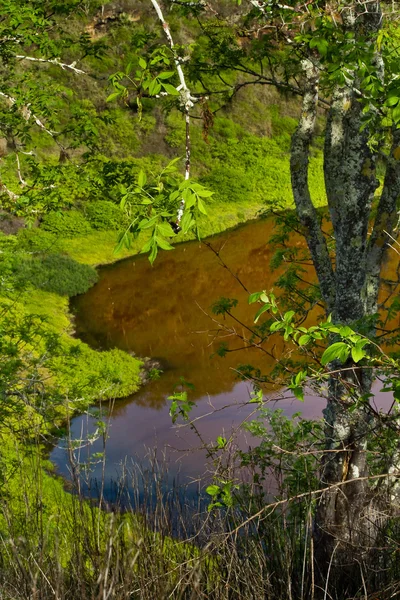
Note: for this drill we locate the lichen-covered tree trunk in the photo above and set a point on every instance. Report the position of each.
(347, 520)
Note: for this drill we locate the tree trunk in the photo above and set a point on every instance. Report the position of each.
(347, 520)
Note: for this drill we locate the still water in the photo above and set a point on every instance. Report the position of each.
(164, 312)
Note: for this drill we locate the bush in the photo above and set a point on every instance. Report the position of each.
(38, 240)
(7, 242)
(67, 224)
(104, 215)
(56, 273)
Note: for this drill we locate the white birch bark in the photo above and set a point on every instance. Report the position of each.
(187, 100)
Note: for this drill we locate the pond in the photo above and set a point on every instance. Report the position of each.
(164, 312)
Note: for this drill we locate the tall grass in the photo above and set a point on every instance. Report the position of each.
(152, 544)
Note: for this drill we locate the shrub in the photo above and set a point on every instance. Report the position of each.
(56, 273)
(104, 215)
(7, 242)
(38, 240)
(67, 224)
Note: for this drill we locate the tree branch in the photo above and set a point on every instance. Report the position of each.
(10, 194)
(27, 114)
(306, 211)
(384, 225)
(335, 137)
(53, 61)
(187, 100)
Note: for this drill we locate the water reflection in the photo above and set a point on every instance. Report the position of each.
(162, 311)
(134, 431)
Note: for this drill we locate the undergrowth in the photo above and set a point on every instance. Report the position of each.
(56, 273)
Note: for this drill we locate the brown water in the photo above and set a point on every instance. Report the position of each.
(164, 311)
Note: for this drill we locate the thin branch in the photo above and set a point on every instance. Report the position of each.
(386, 216)
(21, 179)
(225, 266)
(53, 61)
(10, 194)
(187, 100)
(27, 114)
(312, 493)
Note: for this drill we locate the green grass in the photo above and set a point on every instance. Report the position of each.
(98, 248)
(243, 164)
(81, 372)
(78, 370)
(52, 307)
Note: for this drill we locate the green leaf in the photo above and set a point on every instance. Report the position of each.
(189, 198)
(203, 193)
(174, 196)
(213, 490)
(260, 311)
(170, 89)
(257, 398)
(335, 351)
(304, 339)
(345, 331)
(171, 168)
(120, 244)
(300, 377)
(142, 63)
(396, 113)
(165, 229)
(392, 101)
(163, 243)
(187, 222)
(387, 122)
(154, 87)
(113, 96)
(255, 297)
(323, 46)
(357, 352)
(142, 179)
(221, 442)
(201, 206)
(288, 330)
(146, 223)
(147, 246)
(165, 75)
(153, 253)
(288, 316)
(123, 201)
(298, 393)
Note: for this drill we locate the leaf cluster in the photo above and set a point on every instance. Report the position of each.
(152, 204)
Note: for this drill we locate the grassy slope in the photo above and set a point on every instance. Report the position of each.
(81, 371)
(245, 163)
